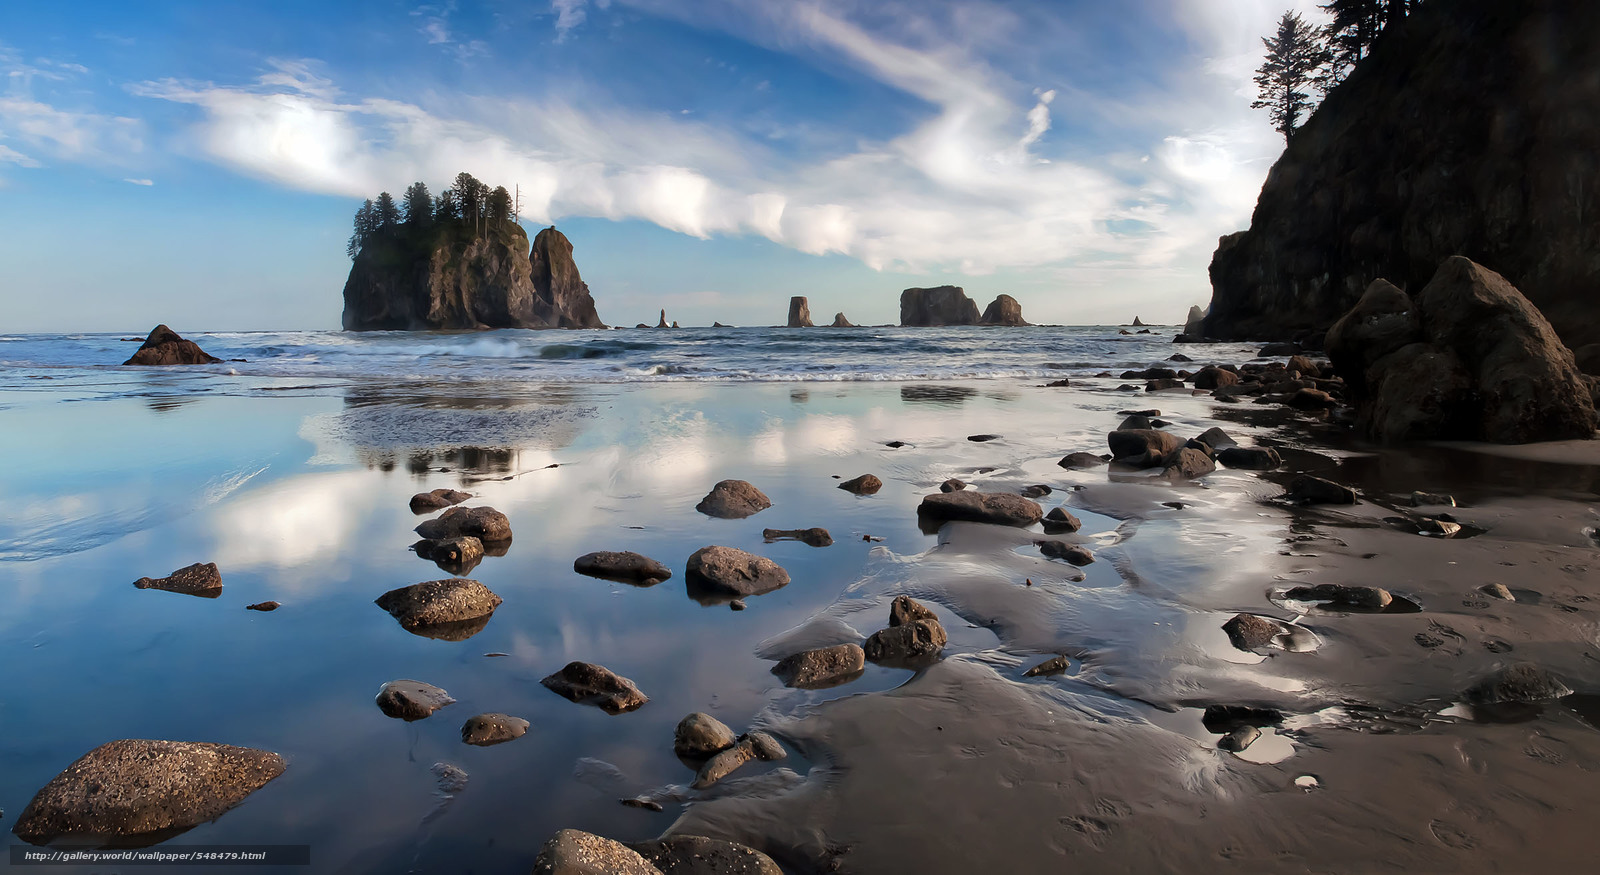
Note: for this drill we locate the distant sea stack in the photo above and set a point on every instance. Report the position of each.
(840, 322)
(931, 308)
(1472, 128)
(459, 263)
(1003, 310)
(799, 312)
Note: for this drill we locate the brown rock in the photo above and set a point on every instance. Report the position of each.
(1060, 521)
(135, 788)
(457, 555)
(952, 485)
(439, 603)
(905, 610)
(486, 729)
(410, 700)
(732, 500)
(589, 684)
(1003, 310)
(866, 484)
(1071, 553)
(626, 566)
(1249, 632)
(799, 312)
(944, 305)
(571, 852)
(1081, 460)
(428, 502)
(725, 570)
(1250, 458)
(981, 507)
(1307, 489)
(913, 642)
(700, 736)
(200, 579)
(697, 855)
(165, 347)
(822, 668)
(1142, 447)
(751, 746)
(1187, 464)
(816, 537)
(1339, 595)
(484, 523)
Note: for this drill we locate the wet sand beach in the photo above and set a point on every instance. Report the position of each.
(298, 491)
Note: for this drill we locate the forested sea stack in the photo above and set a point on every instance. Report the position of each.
(1472, 128)
(459, 262)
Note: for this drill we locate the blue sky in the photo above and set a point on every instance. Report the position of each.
(199, 163)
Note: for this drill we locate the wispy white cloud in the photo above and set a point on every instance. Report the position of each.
(140, 181)
(12, 156)
(434, 25)
(571, 14)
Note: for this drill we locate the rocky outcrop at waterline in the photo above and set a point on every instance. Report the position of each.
(1003, 310)
(165, 347)
(1473, 128)
(456, 275)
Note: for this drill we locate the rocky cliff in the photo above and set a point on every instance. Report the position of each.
(1472, 129)
(454, 276)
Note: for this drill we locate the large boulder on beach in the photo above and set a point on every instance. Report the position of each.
(942, 305)
(1142, 447)
(596, 685)
(1000, 508)
(132, 788)
(698, 855)
(1469, 359)
(799, 312)
(733, 572)
(165, 347)
(572, 852)
(732, 500)
(484, 523)
(1003, 310)
(439, 603)
(912, 642)
(1523, 682)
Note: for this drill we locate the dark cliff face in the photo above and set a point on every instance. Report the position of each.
(1473, 129)
(561, 297)
(943, 305)
(1003, 310)
(799, 312)
(451, 277)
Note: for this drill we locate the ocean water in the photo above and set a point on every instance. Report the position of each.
(640, 355)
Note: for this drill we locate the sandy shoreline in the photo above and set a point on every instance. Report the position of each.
(964, 765)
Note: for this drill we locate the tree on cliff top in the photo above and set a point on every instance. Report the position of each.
(1294, 58)
(1355, 27)
(418, 204)
(499, 208)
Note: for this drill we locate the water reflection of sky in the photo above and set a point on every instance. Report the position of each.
(311, 511)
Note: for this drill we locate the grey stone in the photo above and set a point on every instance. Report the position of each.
(1523, 682)
(917, 641)
(982, 507)
(1081, 460)
(866, 484)
(1250, 458)
(732, 500)
(142, 791)
(1341, 595)
(410, 700)
(428, 502)
(625, 566)
(438, 603)
(822, 668)
(700, 736)
(484, 523)
(751, 746)
(1307, 489)
(726, 570)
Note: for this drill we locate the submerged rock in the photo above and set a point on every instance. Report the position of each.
(732, 500)
(264, 607)
(726, 570)
(1338, 595)
(1434, 499)
(200, 579)
(484, 523)
(866, 484)
(410, 700)
(1307, 489)
(752, 745)
(571, 852)
(428, 502)
(165, 347)
(141, 792)
(1497, 590)
(981, 507)
(697, 855)
(625, 566)
(1523, 682)
(1071, 553)
(822, 668)
(440, 603)
(1223, 719)
(816, 537)
(590, 684)
(1053, 665)
(486, 729)
(1081, 460)
(700, 736)
(1250, 458)
(952, 485)
(1239, 738)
